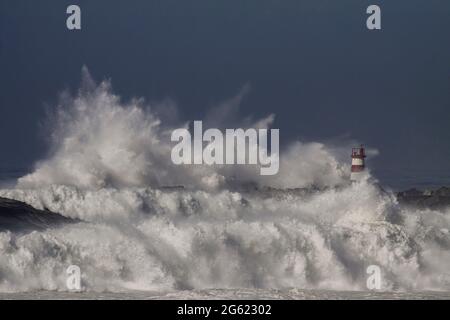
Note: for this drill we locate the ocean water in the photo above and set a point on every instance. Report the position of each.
(231, 294)
(185, 242)
(133, 237)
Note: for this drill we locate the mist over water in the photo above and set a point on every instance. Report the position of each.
(108, 164)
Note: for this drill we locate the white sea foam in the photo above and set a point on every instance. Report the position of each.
(164, 240)
(100, 141)
(106, 167)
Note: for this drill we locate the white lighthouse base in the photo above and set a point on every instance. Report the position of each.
(358, 176)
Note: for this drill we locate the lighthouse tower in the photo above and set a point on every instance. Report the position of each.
(358, 166)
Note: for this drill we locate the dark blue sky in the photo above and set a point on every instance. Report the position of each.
(313, 63)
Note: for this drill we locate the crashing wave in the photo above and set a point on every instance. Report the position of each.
(148, 239)
(107, 166)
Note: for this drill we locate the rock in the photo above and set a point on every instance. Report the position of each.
(442, 192)
(433, 199)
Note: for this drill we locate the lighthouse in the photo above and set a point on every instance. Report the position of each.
(358, 166)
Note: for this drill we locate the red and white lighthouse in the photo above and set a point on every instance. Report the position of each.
(358, 166)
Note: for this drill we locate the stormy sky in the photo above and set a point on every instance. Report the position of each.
(312, 63)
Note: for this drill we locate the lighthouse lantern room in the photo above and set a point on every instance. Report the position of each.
(358, 165)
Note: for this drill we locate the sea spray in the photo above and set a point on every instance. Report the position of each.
(169, 240)
(99, 141)
(108, 164)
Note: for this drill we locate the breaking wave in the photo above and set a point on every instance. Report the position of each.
(99, 141)
(310, 229)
